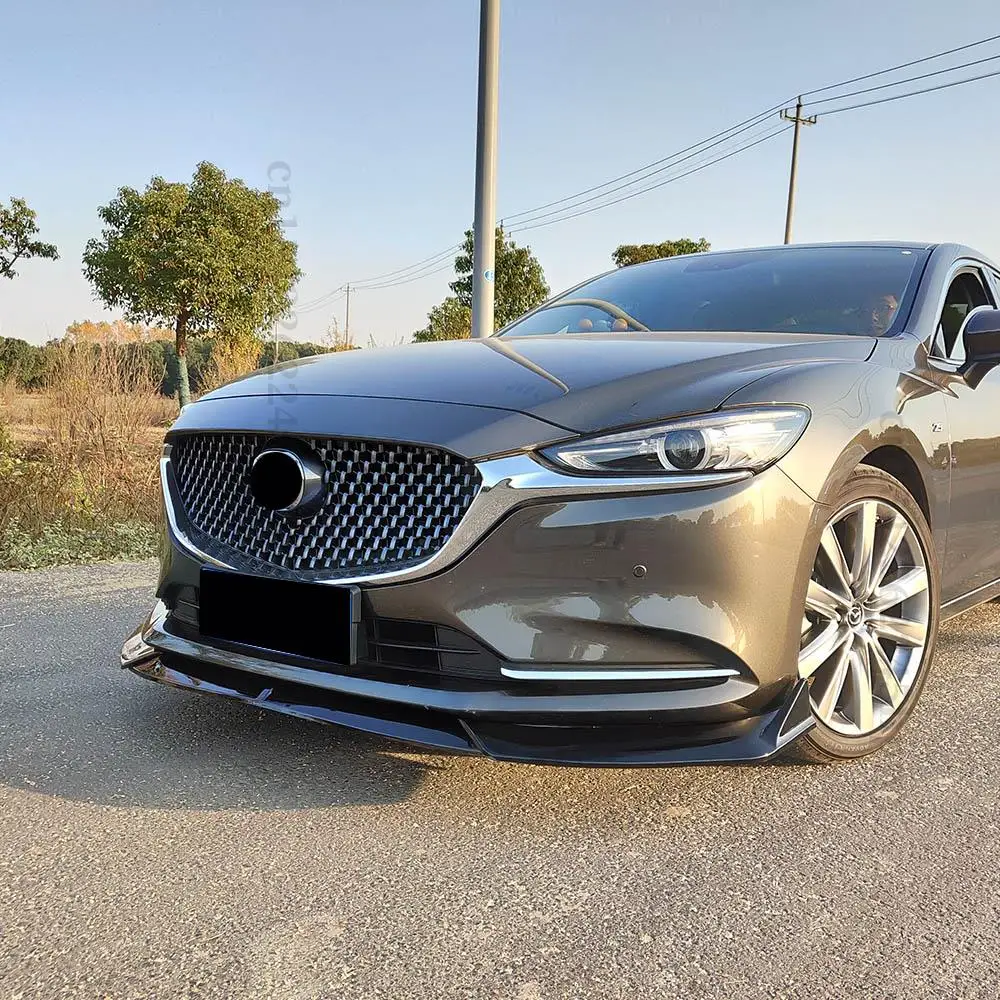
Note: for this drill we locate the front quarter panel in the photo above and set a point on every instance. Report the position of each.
(857, 409)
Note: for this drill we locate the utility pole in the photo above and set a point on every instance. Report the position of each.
(484, 227)
(799, 122)
(347, 316)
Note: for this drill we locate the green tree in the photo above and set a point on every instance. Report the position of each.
(197, 364)
(636, 253)
(290, 350)
(448, 321)
(520, 281)
(203, 257)
(17, 231)
(23, 363)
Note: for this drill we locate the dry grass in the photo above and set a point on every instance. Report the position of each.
(19, 411)
(101, 406)
(231, 358)
(78, 469)
(78, 460)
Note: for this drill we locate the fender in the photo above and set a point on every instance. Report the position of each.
(857, 409)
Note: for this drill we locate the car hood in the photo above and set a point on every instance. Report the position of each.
(578, 382)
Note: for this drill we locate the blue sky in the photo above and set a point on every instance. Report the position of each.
(372, 105)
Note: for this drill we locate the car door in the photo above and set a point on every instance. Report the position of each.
(972, 557)
(994, 274)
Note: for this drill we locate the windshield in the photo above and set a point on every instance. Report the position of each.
(837, 290)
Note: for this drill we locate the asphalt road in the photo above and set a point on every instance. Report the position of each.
(158, 844)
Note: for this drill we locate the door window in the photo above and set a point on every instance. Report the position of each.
(966, 292)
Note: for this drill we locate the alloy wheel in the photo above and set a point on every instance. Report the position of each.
(866, 618)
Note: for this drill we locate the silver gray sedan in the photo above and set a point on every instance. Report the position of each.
(702, 509)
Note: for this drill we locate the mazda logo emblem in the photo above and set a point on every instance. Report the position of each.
(282, 480)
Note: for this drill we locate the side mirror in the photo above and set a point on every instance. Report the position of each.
(981, 336)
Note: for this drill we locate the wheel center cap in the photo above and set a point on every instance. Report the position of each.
(856, 615)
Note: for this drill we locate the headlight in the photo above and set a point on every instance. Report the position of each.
(730, 439)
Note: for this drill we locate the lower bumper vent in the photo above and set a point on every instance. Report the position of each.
(430, 649)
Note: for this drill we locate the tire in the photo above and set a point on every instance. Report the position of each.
(845, 728)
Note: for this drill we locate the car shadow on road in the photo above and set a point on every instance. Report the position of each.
(107, 738)
(149, 747)
(120, 741)
(74, 727)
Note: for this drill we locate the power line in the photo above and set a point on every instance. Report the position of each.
(659, 184)
(647, 169)
(906, 65)
(399, 270)
(730, 133)
(334, 296)
(427, 267)
(447, 266)
(537, 222)
(326, 299)
(425, 270)
(331, 298)
(912, 93)
(405, 274)
(539, 217)
(677, 159)
(428, 270)
(748, 122)
(900, 83)
(569, 213)
(437, 263)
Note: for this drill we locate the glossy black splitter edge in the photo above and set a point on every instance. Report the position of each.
(745, 741)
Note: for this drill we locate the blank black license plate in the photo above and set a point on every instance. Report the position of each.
(315, 620)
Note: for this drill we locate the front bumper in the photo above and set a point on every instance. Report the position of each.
(551, 729)
(644, 629)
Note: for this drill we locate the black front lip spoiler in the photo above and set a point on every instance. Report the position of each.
(612, 745)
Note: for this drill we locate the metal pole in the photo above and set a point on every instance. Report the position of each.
(792, 172)
(799, 122)
(347, 315)
(484, 227)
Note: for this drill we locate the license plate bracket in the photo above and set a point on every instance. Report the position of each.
(318, 621)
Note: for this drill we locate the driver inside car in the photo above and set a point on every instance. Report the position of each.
(587, 325)
(878, 314)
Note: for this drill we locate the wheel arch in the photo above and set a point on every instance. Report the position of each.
(865, 413)
(896, 450)
(898, 463)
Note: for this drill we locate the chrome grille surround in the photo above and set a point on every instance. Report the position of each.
(508, 483)
(386, 506)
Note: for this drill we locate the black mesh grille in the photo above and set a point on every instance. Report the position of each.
(385, 505)
(428, 648)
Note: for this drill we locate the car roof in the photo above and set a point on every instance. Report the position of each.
(842, 244)
(845, 245)
(958, 249)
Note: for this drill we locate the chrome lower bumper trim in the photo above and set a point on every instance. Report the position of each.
(136, 649)
(508, 483)
(694, 672)
(157, 641)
